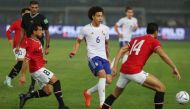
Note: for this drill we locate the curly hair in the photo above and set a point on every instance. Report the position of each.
(93, 10)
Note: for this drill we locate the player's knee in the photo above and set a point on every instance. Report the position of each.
(101, 74)
(48, 93)
(108, 80)
(161, 88)
(48, 89)
(53, 79)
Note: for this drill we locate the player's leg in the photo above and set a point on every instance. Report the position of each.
(17, 67)
(57, 91)
(32, 85)
(153, 83)
(43, 79)
(121, 84)
(13, 73)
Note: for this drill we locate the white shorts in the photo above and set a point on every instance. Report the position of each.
(21, 54)
(42, 76)
(124, 79)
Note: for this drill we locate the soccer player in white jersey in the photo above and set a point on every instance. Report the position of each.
(96, 36)
(128, 24)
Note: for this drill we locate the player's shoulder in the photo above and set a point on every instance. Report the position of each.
(41, 15)
(134, 18)
(104, 26)
(86, 27)
(123, 19)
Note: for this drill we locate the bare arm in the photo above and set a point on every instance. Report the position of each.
(22, 79)
(21, 37)
(75, 48)
(47, 41)
(168, 61)
(107, 48)
(116, 27)
(120, 53)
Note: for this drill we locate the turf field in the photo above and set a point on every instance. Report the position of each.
(75, 76)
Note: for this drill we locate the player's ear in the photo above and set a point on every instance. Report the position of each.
(93, 17)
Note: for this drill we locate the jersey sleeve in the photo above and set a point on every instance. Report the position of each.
(81, 34)
(120, 22)
(45, 23)
(10, 29)
(155, 44)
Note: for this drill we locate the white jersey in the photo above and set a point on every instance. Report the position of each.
(95, 38)
(127, 27)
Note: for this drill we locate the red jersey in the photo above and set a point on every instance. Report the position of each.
(140, 49)
(16, 27)
(34, 54)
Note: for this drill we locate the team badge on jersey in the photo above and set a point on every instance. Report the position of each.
(45, 21)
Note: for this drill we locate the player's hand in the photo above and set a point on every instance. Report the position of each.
(176, 73)
(135, 27)
(22, 80)
(45, 60)
(114, 72)
(72, 54)
(120, 35)
(11, 42)
(46, 51)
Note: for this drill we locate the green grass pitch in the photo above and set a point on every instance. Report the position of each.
(75, 76)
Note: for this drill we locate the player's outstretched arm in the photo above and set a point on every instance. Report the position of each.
(107, 49)
(47, 42)
(22, 79)
(167, 60)
(120, 54)
(8, 34)
(75, 48)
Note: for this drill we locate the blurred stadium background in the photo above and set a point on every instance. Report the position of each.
(66, 18)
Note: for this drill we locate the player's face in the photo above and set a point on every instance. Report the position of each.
(39, 32)
(34, 8)
(97, 18)
(129, 13)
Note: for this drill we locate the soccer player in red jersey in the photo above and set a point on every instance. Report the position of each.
(140, 49)
(16, 27)
(44, 77)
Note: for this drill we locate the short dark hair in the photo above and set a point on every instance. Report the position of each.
(128, 8)
(24, 9)
(34, 2)
(34, 27)
(151, 28)
(93, 10)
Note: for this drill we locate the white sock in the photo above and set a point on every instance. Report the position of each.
(124, 58)
(93, 89)
(112, 63)
(101, 90)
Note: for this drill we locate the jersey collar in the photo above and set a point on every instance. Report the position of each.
(34, 15)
